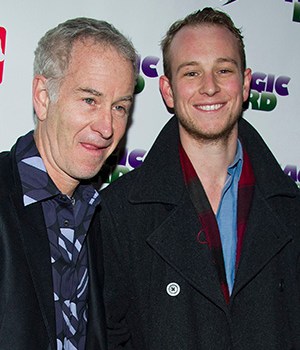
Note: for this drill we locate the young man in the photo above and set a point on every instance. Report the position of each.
(205, 236)
(50, 297)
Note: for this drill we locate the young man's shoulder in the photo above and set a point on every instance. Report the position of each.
(122, 184)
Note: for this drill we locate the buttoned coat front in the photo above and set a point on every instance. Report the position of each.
(161, 289)
(27, 316)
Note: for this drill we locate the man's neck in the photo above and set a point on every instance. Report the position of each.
(65, 183)
(211, 161)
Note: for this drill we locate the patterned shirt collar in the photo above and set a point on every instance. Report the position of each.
(37, 185)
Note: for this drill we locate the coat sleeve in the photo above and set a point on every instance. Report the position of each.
(116, 291)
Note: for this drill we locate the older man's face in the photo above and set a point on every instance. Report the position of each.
(80, 130)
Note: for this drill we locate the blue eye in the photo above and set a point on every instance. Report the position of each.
(89, 101)
(121, 110)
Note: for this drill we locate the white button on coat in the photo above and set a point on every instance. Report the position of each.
(173, 289)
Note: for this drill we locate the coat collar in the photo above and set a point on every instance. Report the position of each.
(163, 159)
(161, 162)
(269, 176)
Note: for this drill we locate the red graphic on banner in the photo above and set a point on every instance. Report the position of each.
(2, 51)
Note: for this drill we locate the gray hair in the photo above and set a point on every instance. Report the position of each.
(52, 54)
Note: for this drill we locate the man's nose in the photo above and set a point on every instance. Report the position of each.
(103, 123)
(209, 84)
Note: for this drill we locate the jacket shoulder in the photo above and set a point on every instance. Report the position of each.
(122, 184)
(6, 168)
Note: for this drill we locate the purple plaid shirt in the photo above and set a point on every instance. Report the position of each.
(67, 221)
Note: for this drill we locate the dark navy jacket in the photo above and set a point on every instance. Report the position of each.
(162, 291)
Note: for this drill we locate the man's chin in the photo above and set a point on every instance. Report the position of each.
(209, 136)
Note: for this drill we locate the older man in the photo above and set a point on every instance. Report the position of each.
(50, 297)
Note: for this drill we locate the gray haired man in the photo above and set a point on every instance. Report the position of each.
(50, 294)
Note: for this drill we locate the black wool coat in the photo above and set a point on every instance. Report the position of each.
(161, 290)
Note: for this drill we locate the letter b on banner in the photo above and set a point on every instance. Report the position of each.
(2, 51)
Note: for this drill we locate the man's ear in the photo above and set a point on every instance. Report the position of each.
(166, 91)
(247, 83)
(40, 97)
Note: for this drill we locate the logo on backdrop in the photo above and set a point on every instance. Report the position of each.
(120, 163)
(228, 2)
(147, 66)
(2, 51)
(296, 12)
(264, 90)
(293, 172)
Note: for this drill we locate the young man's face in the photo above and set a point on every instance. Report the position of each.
(208, 87)
(76, 133)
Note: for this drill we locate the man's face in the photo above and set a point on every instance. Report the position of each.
(76, 133)
(207, 88)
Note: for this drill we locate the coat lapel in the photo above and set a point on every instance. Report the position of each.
(176, 242)
(261, 242)
(34, 238)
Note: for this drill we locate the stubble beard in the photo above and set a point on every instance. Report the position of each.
(205, 137)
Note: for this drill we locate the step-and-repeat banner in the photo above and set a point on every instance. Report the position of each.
(271, 30)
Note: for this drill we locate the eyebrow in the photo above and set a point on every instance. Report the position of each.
(186, 64)
(125, 98)
(196, 63)
(97, 93)
(89, 91)
(228, 60)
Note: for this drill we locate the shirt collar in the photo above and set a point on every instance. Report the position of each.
(37, 185)
(237, 163)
